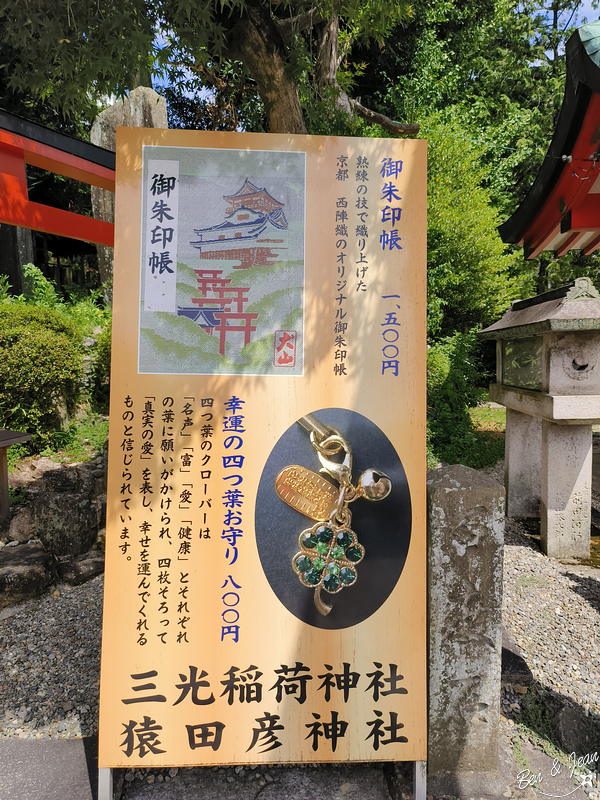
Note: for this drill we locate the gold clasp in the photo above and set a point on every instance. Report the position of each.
(331, 445)
(329, 442)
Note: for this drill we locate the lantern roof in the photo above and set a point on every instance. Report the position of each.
(575, 307)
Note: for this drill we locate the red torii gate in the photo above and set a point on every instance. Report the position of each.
(23, 142)
(561, 212)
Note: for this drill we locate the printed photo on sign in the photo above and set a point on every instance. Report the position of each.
(222, 263)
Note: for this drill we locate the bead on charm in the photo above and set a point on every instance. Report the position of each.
(374, 485)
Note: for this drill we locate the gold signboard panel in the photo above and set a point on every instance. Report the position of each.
(266, 551)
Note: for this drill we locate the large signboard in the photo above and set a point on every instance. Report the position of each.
(265, 554)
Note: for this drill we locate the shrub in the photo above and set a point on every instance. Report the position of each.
(100, 386)
(41, 367)
(455, 380)
(38, 289)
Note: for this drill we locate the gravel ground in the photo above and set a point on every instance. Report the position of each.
(552, 612)
(50, 647)
(50, 664)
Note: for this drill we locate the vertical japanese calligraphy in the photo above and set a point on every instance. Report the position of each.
(279, 276)
(362, 221)
(340, 324)
(391, 210)
(160, 253)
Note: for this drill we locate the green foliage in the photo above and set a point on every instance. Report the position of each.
(325, 117)
(27, 102)
(18, 496)
(59, 53)
(15, 453)
(83, 438)
(490, 419)
(454, 380)
(40, 369)
(100, 384)
(469, 272)
(38, 289)
(233, 104)
(498, 64)
(4, 287)
(92, 50)
(495, 69)
(41, 358)
(452, 375)
(86, 311)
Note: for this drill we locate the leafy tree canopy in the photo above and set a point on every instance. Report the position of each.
(471, 278)
(58, 51)
(498, 65)
(494, 70)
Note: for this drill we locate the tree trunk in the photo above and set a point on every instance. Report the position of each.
(327, 60)
(16, 249)
(542, 276)
(257, 43)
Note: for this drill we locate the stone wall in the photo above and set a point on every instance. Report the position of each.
(54, 534)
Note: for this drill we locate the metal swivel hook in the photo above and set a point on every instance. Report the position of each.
(328, 442)
(339, 471)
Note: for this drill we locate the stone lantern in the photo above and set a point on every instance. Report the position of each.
(548, 377)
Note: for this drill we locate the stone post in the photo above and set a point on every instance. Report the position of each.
(142, 108)
(523, 464)
(566, 490)
(465, 516)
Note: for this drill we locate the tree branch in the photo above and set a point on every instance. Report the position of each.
(301, 22)
(408, 128)
(214, 80)
(210, 77)
(345, 50)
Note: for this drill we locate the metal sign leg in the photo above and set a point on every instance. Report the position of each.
(105, 784)
(420, 780)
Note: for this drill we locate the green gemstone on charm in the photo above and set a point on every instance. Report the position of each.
(309, 540)
(333, 568)
(353, 554)
(347, 576)
(331, 583)
(324, 534)
(312, 577)
(303, 563)
(322, 548)
(319, 564)
(344, 538)
(337, 552)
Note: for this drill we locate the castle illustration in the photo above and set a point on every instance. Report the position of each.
(251, 234)
(251, 231)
